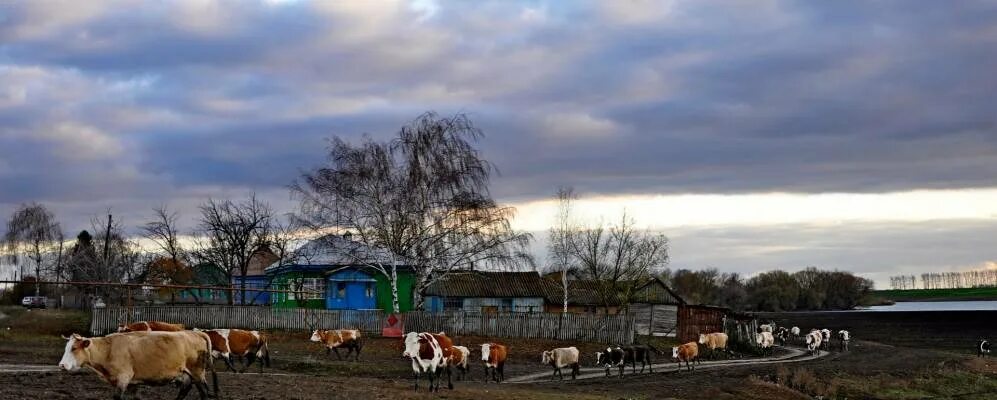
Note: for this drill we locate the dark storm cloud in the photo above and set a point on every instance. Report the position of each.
(116, 103)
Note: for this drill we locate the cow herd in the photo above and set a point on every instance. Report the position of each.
(154, 352)
(434, 354)
(816, 340)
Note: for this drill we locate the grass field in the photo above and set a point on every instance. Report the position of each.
(965, 294)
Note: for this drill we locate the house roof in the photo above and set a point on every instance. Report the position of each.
(586, 293)
(493, 284)
(336, 250)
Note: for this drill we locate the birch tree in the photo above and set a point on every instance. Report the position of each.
(32, 233)
(422, 197)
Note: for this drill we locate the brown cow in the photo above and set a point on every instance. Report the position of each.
(336, 338)
(144, 358)
(247, 345)
(494, 354)
(150, 326)
(689, 353)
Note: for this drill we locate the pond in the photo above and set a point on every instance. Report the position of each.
(937, 306)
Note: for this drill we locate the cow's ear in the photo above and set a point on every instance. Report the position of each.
(84, 344)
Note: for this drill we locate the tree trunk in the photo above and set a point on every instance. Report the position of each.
(564, 286)
(242, 288)
(396, 308)
(418, 298)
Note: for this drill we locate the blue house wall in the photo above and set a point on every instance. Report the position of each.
(252, 282)
(480, 304)
(351, 289)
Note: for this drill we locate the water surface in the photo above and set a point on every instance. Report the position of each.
(989, 305)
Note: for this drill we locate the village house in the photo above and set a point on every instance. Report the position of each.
(334, 271)
(489, 292)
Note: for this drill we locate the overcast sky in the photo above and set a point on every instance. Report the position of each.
(858, 135)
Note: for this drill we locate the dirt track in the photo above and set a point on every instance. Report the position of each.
(706, 383)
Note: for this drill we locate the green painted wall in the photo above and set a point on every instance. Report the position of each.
(406, 281)
(282, 300)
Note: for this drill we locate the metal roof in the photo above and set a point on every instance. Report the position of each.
(335, 250)
(493, 284)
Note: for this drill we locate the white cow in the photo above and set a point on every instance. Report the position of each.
(765, 340)
(560, 358)
(814, 340)
(826, 336)
(844, 337)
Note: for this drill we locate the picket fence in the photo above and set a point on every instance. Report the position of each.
(618, 329)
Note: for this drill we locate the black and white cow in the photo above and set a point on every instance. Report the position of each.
(982, 348)
(612, 357)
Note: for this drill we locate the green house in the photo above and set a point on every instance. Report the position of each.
(335, 272)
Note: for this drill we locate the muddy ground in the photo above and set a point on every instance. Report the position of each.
(302, 371)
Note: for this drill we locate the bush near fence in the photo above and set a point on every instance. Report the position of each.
(615, 329)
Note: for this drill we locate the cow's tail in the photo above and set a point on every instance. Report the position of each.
(654, 349)
(210, 361)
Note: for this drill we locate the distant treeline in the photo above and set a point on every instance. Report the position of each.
(809, 289)
(946, 280)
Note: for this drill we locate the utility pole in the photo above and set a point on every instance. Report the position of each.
(107, 242)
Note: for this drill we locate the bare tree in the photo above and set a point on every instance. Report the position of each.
(32, 233)
(164, 232)
(231, 233)
(422, 197)
(617, 259)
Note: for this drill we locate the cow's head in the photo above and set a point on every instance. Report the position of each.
(598, 358)
(702, 338)
(413, 343)
(316, 336)
(76, 354)
(843, 335)
(547, 357)
(675, 352)
(486, 352)
(123, 328)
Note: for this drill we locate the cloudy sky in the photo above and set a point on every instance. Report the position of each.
(859, 135)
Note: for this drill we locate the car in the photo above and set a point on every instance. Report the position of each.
(34, 301)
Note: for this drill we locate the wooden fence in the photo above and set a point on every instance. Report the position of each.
(104, 320)
(615, 329)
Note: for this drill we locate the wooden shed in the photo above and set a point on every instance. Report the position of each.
(655, 308)
(693, 320)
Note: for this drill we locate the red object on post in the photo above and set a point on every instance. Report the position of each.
(393, 326)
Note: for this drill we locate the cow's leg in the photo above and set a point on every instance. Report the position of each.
(574, 371)
(130, 392)
(338, 357)
(501, 370)
(622, 367)
(359, 347)
(449, 377)
(415, 376)
(228, 361)
(185, 386)
(249, 361)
